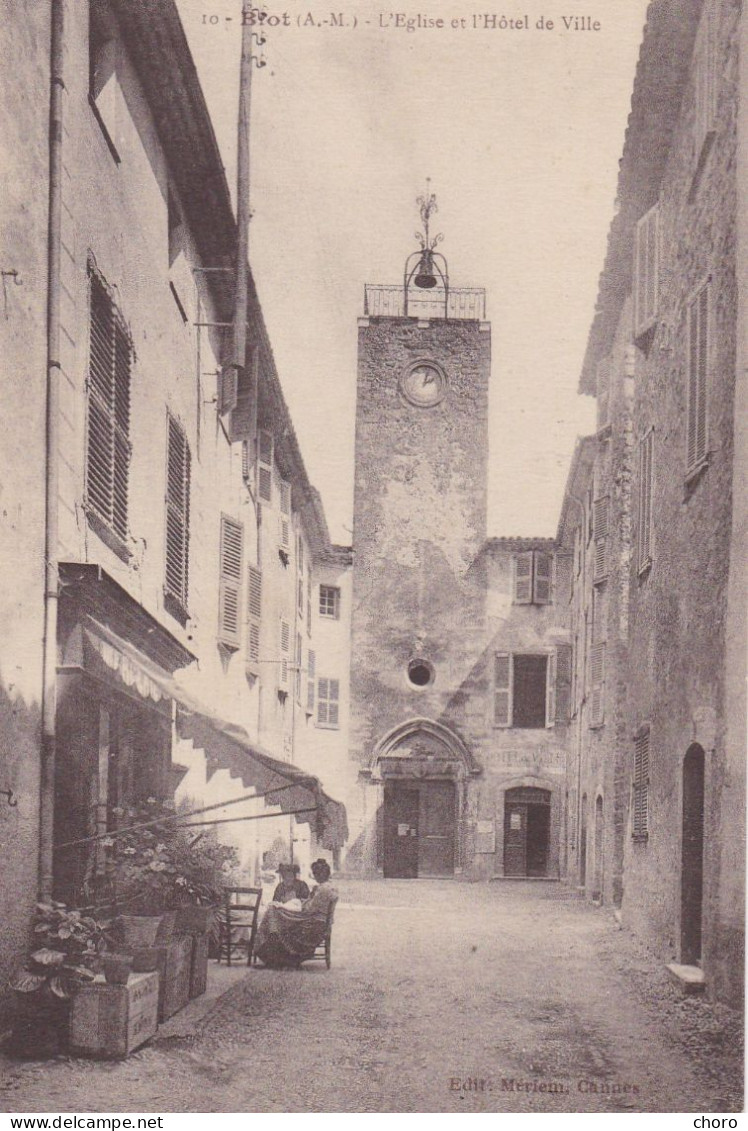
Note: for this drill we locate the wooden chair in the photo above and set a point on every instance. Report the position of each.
(238, 922)
(323, 951)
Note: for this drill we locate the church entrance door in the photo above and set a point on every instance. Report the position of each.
(419, 829)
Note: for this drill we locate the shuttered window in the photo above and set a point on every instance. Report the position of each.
(533, 577)
(646, 271)
(254, 616)
(228, 389)
(230, 582)
(177, 512)
(502, 689)
(597, 684)
(600, 531)
(698, 351)
(640, 786)
(531, 690)
(311, 663)
(265, 466)
(644, 528)
(297, 667)
(328, 703)
(285, 654)
(308, 601)
(108, 445)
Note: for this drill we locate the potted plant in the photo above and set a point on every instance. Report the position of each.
(66, 958)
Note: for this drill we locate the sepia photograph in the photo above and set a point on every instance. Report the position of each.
(373, 534)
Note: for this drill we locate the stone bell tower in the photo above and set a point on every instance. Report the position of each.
(424, 353)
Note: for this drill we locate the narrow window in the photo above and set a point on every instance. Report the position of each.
(265, 466)
(108, 445)
(308, 600)
(228, 389)
(177, 515)
(640, 798)
(502, 690)
(329, 601)
(597, 684)
(297, 667)
(285, 651)
(644, 529)
(646, 272)
(311, 663)
(254, 619)
(600, 531)
(328, 703)
(230, 581)
(698, 329)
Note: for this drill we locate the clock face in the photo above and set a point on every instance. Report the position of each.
(424, 384)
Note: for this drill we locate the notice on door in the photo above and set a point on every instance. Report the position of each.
(403, 830)
(515, 820)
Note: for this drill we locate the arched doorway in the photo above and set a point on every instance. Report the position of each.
(527, 831)
(692, 856)
(583, 842)
(597, 888)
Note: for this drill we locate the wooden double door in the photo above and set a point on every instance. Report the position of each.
(419, 829)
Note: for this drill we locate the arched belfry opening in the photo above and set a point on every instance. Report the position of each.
(422, 767)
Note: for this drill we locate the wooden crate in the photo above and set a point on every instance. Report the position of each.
(199, 967)
(175, 967)
(111, 1021)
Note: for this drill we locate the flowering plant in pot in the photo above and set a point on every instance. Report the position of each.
(67, 957)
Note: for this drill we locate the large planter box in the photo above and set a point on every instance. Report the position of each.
(199, 966)
(111, 1021)
(174, 969)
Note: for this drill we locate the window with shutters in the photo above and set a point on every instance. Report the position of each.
(308, 600)
(108, 445)
(644, 526)
(311, 663)
(265, 466)
(698, 357)
(284, 492)
(329, 601)
(300, 576)
(228, 389)
(176, 579)
(600, 533)
(328, 703)
(285, 655)
(254, 618)
(533, 578)
(230, 582)
(524, 689)
(646, 271)
(597, 684)
(297, 667)
(640, 786)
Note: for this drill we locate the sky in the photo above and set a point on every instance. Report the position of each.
(520, 129)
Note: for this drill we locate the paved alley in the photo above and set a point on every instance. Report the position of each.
(442, 997)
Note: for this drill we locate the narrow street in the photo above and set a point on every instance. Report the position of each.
(435, 987)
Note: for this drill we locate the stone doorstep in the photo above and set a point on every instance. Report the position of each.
(689, 978)
(221, 979)
(526, 879)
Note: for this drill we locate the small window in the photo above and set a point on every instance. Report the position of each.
(597, 684)
(640, 786)
(647, 268)
(230, 582)
(297, 667)
(698, 360)
(254, 618)
(308, 600)
(524, 693)
(265, 466)
(177, 516)
(600, 532)
(285, 653)
(644, 527)
(533, 577)
(328, 703)
(329, 601)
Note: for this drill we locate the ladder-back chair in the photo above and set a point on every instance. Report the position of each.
(238, 923)
(323, 950)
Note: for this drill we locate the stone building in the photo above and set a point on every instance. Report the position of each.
(159, 584)
(460, 656)
(667, 352)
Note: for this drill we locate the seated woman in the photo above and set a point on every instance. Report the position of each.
(285, 938)
(290, 886)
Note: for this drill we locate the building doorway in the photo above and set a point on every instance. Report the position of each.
(583, 843)
(597, 885)
(527, 831)
(419, 828)
(692, 856)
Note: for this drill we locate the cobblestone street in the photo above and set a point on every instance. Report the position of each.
(442, 997)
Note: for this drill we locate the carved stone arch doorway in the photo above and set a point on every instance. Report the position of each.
(422, 768)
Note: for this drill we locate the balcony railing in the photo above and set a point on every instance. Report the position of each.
(389, 302)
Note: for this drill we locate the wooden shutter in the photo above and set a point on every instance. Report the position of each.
(502, 689)
(265, 466)
(644, 531)
(550, 690)
(597, 684)
(230, 581)
(564, 661)
(284, 532)
(600, 528)
(697, 378)
(542, 577)
(228, 389)
(640, 806)
(523, 578)
(254, 618)
(323, 691)
(308, 601)
(311, 663)
(333, 703)
(284, 493)
(647, 265)
(285, 651)
(177, 511)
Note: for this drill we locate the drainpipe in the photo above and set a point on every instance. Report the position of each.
(51, 579)
(583, 579)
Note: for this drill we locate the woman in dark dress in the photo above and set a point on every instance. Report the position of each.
(290, 886)
(285, 938)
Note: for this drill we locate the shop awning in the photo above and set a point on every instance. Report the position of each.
(226, 745)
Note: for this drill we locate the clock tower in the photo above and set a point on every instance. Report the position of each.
(419, 523)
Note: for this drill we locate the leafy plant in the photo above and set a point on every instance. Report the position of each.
(68, 955)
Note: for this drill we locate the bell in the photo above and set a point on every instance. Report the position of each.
(425, 279)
